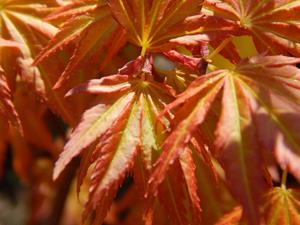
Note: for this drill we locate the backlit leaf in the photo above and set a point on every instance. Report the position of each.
(273, 24)
(93, 30)
(266, 84)
(151, 24)
(282, 207)
(22, 22)
(122, 128)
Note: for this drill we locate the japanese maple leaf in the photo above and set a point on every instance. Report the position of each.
(22, 22)
(260, 99)
(97, 35)
(273, 24)
(127, 137)
(121, 126)
(282, 207)
(151, 24)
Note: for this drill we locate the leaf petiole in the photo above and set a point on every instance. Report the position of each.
(283, 179)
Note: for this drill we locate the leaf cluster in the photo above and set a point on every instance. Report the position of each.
(197, 100)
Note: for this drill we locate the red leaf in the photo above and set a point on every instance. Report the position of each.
(182, 133)
(236, 141)
(94, 123)
(273, 24)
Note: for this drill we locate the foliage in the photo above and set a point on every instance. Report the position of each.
(197, 100)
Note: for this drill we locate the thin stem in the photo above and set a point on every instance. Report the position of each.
(283, 179)
(144, 49)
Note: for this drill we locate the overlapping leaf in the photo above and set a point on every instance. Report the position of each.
(277, 105)
(182, 134)
(240, 113)
(121, 129)
(273, 24)
(22, 22)
(96, 34)
(255, 90)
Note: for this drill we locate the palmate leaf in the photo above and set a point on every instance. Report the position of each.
(96, 34)
(127, 139)
(282, 207)
(151, 24)
(273, 24)
(262, 88)
(121, 127)
(22, 22)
